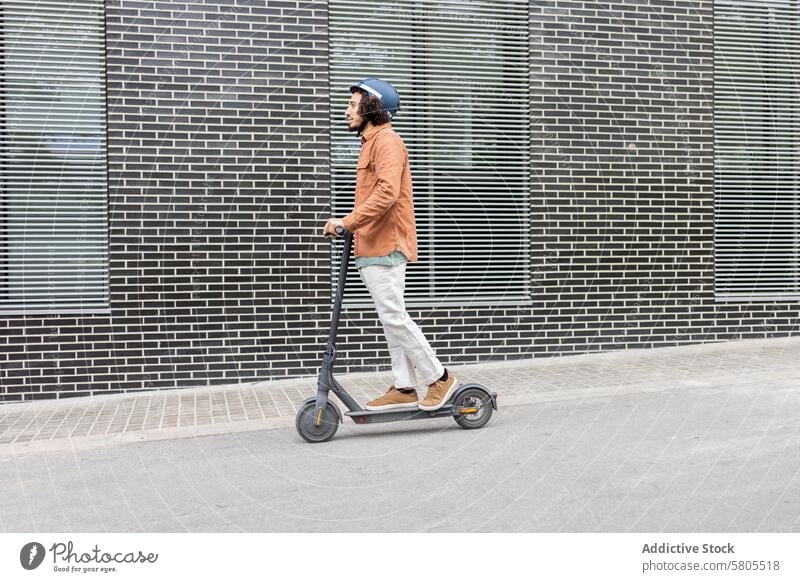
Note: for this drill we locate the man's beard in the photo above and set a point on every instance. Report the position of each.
(356, 128)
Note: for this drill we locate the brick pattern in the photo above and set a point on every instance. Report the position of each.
(218, 174)
(219, 181)
(623, 166)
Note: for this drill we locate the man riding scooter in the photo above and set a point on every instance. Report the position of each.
(384, 229)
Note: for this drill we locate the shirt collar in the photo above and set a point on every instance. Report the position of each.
(370, 132)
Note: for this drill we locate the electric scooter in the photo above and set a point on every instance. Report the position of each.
(319, 417)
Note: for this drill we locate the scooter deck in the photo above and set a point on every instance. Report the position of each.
(372, 416)
(449, 409)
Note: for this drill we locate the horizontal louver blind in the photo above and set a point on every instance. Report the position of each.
(53, 212)
(756, 116)
(461, 69)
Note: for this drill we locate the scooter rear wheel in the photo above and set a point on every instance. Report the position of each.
(306, 428)
(474, 398)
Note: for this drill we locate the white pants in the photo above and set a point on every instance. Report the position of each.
(408, 348)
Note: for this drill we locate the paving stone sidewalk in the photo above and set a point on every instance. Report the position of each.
(108, 419)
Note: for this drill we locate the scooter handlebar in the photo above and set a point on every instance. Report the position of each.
(340, 230)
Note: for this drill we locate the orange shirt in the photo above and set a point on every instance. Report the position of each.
(382, 219)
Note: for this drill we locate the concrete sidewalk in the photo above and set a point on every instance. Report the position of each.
(78, 423)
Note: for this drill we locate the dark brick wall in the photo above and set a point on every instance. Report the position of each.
(218, 185)
(218, 174)
(623, 165)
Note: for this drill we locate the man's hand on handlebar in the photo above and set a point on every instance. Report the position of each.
(331, 229)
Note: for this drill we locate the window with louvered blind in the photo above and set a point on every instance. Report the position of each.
(757, 157)
(461, 68)
(53, 178)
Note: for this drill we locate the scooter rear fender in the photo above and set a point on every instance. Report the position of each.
(463, 387)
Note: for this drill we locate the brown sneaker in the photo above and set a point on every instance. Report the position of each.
(439, 392)
(393, 399)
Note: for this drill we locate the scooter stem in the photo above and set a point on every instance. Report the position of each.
(325, 383)
(340, 283)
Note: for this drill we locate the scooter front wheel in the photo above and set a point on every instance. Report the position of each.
(308, 429)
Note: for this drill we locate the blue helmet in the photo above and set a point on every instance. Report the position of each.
(383, 91)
